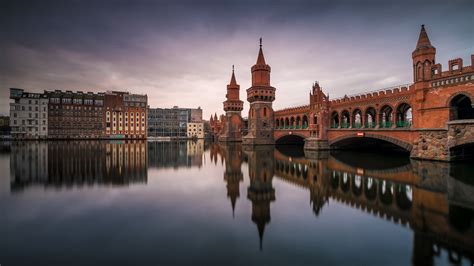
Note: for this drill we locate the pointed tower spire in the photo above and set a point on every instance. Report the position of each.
(423, 40)
(260, 58)
(232, 79)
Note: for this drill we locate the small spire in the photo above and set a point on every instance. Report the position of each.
(423, 40)
(232, 78)
(261, 58)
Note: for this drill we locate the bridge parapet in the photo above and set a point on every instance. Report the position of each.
(390, 91)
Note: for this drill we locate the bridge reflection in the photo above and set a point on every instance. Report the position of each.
(420, 195)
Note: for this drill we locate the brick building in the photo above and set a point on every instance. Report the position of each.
(125, 115)
(75, 114)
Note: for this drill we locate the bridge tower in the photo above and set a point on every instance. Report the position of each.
(423, 57)
(319, 119)
(260, 192)
(260, 96)
(232, 106)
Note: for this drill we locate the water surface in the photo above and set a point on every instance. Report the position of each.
(194, 203)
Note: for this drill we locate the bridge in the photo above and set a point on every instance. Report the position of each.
(432, 118)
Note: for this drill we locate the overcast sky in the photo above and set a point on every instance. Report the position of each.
(182, 52)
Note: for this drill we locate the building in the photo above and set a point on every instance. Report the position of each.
(195, 130)
(28, 114)
(75, 114)
(232, 128)
(4, 125)
(171, 122)
(125, 115)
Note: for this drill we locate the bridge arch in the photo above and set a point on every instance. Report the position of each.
(290, 139)
(397, 142)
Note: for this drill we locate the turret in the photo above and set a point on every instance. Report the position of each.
(423, 57)
(233, 102)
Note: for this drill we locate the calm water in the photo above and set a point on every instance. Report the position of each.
(191, 203)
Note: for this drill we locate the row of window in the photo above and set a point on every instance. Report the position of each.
(76, 101)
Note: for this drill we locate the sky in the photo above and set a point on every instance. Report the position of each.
(180, 53)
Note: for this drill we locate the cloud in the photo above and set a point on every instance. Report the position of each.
(180, 53)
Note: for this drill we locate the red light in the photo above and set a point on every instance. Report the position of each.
(360, 134)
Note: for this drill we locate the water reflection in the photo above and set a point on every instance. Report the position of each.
(434, 200)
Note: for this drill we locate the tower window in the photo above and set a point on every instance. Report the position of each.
(264, 112)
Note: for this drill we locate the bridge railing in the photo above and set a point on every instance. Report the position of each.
(392, 89)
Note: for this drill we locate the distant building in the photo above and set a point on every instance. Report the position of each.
(196, 115)
(4, 125)
(29, 114)
(195, 130)
(125, 115)
(67, 115)
(75, 114)
(171, 122)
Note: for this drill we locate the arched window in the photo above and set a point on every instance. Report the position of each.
(461, 108)
(305, 121)
(277, 123)
(345, 119)
(334, 120)
(404, 115)
(298, 122)
(386, 117)
(292, 122)
(287, 123)
(264, 111)
(357, 118)
(370, 118)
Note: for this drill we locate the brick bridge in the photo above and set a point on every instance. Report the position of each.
(432, 118)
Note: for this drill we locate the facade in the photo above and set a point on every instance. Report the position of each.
(28, 115)
(125, 115)
(232, 128)
(260, 96)
(75, 114)
(195, 130)
(171, 122)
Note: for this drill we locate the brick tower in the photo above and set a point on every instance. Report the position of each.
(423, 57)
(232, 127)
(319, 119)
(260, 96)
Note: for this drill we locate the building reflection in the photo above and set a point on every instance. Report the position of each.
(77, 163)
(423, 196)
(175, 154)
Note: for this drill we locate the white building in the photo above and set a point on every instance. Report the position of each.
(28, 114)
(195, 130)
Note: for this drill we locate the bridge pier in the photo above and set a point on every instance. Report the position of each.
(315, 144)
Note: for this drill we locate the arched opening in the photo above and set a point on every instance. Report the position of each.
(386, 192)
(335, 179)
(264, 112)
(287, 123)
(292, 122)
(345, 181)
(404, 196)
(461, 108)
(277, 123)
(357, 118)
(371, 144)
(290, 140)
(463, 152)
(370, 117)
(282, 123)
(334, 120)
(404, 115)
(298, 122)
(345, 119)
(386, 117)
(370, 188)
(305, 121)
(357, 185)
